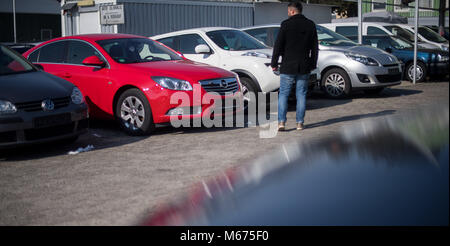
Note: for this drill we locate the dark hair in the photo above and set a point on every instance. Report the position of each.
(297, 5)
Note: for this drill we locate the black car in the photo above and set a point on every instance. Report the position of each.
(36, 106)
(20, 47)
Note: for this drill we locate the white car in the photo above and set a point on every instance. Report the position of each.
(230, 49)
(429, 36)
(350, 29)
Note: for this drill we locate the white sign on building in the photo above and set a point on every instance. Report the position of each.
(111, 15)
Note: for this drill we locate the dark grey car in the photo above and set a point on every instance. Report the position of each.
(36, 106)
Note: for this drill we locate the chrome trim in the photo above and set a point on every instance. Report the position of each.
(221, 85)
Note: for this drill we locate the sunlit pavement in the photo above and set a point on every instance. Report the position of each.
(124, 179)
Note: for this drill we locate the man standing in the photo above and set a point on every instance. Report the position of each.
(297, 44)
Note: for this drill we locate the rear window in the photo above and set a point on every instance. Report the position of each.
(51, 53)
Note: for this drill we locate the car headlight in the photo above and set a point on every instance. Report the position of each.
(173, 84)
(444, 47)
(257, 54)
(7, 107)
(442, 58)
(363, 59)
(77, 96)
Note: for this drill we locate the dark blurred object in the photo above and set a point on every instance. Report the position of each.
(436, 29)
(384, 173)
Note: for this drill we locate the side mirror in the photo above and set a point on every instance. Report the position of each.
(389, 50)
(93, 61)
(39, 66)
(202, 49)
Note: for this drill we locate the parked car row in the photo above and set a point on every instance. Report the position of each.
(344, 66)
(427, 38)
(132, 78)
(230, 49)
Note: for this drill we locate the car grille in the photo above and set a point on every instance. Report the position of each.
(221, 86)
(36, 105)
(6, 137)
(389, 78)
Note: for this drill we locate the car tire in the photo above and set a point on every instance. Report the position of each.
(336, 83)
(375, 91)
(421, 74)
(248, 87)
(134, 113)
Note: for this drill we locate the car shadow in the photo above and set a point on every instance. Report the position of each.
(349, 118)
(102, 134)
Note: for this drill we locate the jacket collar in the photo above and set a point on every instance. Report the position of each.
(297, 16)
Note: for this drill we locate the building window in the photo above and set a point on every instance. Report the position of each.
(378, 5)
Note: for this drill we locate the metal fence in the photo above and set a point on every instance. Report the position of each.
(148, 18)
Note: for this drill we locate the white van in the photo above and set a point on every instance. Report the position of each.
(350, 29)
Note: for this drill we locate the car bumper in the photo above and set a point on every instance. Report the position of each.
(25, 128)
(193, 104)
(438, 68)
(364, 77)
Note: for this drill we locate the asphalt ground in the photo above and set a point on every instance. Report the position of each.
(124, 179)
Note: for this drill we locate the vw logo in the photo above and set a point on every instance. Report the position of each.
(47, 105)
(223, 84)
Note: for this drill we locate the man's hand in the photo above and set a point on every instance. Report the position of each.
(274, 68)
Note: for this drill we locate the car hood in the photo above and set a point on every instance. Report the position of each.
(182, 69)
(33, 86)
(379, 55)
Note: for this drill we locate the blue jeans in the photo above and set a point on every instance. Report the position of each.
(286, 82)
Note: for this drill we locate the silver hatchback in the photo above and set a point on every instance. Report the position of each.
(344, 65)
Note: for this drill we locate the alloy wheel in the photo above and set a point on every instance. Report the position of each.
(419, 72)
(335, 84)
(132, 112)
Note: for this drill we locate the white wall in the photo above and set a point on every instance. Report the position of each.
(89, 23)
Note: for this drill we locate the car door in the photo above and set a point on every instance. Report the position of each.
(187, 44)
(93, 81)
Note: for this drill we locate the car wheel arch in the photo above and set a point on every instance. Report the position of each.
(120, 91)
(328, 68)
(243, 73)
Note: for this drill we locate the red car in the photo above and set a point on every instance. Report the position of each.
(132, 78)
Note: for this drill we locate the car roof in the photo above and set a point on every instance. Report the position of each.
(98, 36)
(201, 29)
(353, 23)
(261, 26)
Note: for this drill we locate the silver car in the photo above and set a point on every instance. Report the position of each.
(344, 65)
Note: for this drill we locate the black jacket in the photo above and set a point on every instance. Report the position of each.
(297, 44)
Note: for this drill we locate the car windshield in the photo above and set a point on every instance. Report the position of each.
(329, 38)
(137, 50)
(431, 35)
(11, 62)
(404, 33)
(234, 40)
(400, 43)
